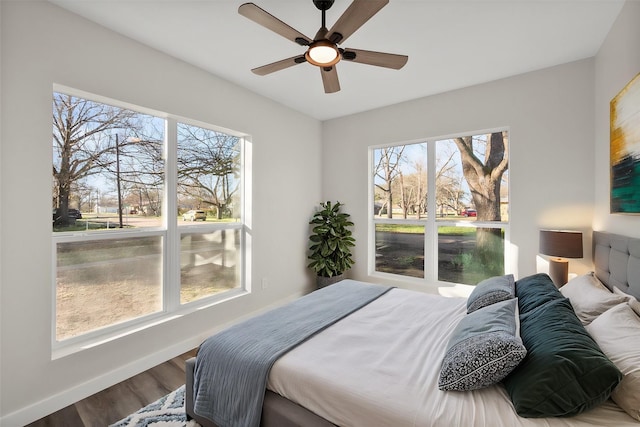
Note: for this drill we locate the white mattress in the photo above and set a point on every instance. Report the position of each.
(380, 367)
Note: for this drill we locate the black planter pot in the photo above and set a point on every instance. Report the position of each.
(321, 281)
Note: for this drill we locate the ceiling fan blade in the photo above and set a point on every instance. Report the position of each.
(264, 18)
(279, 65)
(330, 79)
(359, 12)
(380, 59)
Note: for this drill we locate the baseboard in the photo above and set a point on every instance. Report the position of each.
(70, 396)
(54, 403)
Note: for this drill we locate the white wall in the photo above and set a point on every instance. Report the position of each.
(617, 62)
(42, 45)
(550, 117)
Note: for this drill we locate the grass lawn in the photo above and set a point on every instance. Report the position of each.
(419, 229)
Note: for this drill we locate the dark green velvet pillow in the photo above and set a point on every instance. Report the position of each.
(565, 372)
(534, 291)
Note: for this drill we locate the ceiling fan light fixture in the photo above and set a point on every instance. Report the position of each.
(322, 53)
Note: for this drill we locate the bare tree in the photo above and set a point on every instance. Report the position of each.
(410, 192)
(448, 182)
(406, 195)
(139, 166)
(387, 169)
(420, 193)
(208, 166)
(80, 142)
(81, 193)
(484, 177)
(449, 193)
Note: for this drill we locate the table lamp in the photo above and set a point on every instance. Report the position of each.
(559, 245)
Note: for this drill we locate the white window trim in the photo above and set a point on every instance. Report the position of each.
(430, 223)
(170, 232)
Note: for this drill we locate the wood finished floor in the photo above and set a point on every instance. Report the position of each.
(116, 402)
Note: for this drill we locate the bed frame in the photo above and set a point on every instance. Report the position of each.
(617, 263)
(276, 410)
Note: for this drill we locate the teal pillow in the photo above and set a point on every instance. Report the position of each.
(534, 291)
(491, 291)
(564, 372)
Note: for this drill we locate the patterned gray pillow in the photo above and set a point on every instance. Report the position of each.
(483, 349)
(491, 291)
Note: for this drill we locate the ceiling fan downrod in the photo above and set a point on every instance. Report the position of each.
(323, 5)
(322, 52)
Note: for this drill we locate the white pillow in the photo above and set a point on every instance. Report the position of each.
(633, 302)
(617, 332)
(589, 297)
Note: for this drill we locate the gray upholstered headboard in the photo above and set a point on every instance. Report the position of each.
(617, 261)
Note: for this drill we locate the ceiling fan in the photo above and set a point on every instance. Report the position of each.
(323, 50)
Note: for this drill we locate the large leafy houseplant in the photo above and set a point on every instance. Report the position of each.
(331, 241)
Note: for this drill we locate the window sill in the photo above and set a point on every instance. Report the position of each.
(95, 339)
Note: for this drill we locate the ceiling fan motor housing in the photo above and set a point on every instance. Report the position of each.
(323, 4)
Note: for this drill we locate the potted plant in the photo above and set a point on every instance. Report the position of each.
(331, 244)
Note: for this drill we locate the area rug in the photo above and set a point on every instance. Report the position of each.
(167, 411)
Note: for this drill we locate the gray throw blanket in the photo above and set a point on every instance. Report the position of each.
(232, 366)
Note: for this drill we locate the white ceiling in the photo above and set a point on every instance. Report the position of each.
(450, 43)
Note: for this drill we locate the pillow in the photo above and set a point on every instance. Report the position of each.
(633, 302)
(617, 331)
(565, 372)
(483, 349)
(534, 291)
(491, 291)
(589, 297)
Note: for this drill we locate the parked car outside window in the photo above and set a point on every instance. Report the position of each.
(468, 212)
(73, 214)
(194, 215)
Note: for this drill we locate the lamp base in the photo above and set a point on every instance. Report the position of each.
(559, 271)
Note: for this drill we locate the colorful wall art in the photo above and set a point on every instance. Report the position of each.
(625, 149)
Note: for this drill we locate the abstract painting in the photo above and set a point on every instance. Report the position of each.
(625, 149)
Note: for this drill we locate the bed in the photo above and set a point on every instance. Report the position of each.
(397, 346)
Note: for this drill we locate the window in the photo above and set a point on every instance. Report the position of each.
(147, 215)
(440, 208)
(209, 191)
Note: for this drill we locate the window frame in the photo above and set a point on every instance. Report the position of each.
(430, 223)
(170, 232)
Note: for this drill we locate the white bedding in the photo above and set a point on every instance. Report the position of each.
(380, 367)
